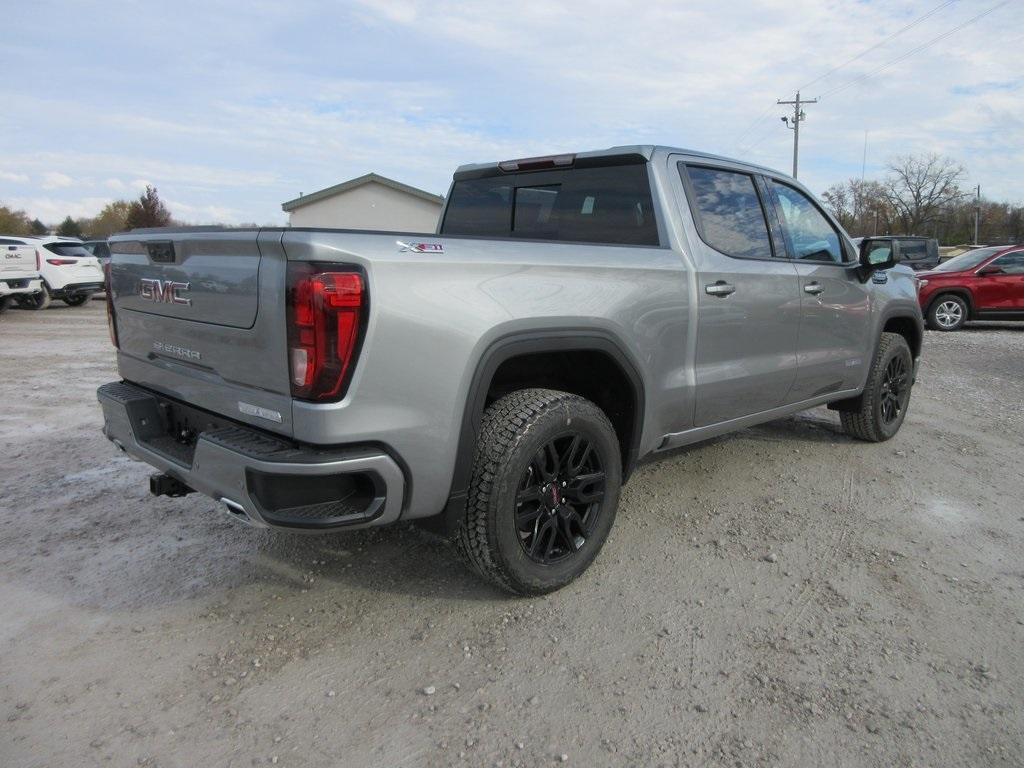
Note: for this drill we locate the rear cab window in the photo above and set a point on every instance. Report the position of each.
(602, 204)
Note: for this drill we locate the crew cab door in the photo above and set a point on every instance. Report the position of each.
(1001, 291)
(835, 308)
(748, 300)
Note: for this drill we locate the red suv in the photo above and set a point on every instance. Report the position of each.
(983, 284)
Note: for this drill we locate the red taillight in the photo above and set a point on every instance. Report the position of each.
(111, 317)
(61, 262)
(325, 318)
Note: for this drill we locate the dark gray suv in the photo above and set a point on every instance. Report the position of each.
(918, 253)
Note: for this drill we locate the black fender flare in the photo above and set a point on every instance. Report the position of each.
(526, 343)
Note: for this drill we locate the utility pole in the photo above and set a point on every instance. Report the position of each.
(977, 214)
(798, 117)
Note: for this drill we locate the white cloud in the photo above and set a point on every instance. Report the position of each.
(16, 178)
(56, 180)
(52, 210)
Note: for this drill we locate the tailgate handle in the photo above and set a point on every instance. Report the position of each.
(161, 251)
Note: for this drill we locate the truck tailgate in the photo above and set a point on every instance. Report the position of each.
(18, 261)
(200, 317)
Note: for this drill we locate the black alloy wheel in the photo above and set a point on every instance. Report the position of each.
(895, 389)
(559, 498)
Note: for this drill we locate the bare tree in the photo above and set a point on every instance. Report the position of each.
(921, 188)
(860, 206)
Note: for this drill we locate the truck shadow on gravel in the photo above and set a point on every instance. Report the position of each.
(401, 558)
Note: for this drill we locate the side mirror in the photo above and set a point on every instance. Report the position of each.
(990, 270)
(876, 253)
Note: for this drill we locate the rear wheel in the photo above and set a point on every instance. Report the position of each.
(544, 491)
(77, 299)
(947, 313)
(883, 406)
(39, 300)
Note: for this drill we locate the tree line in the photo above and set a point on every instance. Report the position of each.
(920, 195)
(148, 210)
(923, 195)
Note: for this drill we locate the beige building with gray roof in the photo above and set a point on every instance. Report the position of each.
(368, 202)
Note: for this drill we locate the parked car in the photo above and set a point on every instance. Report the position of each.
(501, 377)
(68, 271)
(98, 248)
(918, 253)
(19, 272)
(983, 284)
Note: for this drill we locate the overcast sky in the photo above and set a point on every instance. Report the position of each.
(231, 108)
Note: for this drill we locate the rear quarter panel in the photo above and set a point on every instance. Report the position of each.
(432, 317)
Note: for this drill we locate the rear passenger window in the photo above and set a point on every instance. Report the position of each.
(728, 211)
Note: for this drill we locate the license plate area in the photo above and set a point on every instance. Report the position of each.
(170, 428)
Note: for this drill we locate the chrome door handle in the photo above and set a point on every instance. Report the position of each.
(720, 289)
(814, 288)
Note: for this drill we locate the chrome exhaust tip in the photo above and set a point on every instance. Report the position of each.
(237, 511)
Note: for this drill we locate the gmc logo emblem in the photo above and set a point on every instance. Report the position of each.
(166, 291)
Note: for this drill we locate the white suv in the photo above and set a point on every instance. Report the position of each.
(69, 271)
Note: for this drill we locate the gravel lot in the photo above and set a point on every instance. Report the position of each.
(782, 596)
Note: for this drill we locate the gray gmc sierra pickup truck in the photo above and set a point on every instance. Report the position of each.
(502, 376)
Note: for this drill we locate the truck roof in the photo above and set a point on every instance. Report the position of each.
(647, 151)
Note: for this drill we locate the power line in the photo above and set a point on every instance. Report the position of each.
(742, 146)
(913, 51)
(880, 43)
(761, 136)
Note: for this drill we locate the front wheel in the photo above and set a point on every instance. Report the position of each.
(77, 299)
(883, 406)
(947, 313)
(544, 491)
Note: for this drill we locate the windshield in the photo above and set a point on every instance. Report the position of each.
(67, 249)
(966, 260)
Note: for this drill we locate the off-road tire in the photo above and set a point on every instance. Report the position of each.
(76, 299)
(513, 431)
(936, 309)
(5, 303)
(867, 422)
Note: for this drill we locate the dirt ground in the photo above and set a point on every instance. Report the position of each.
(782, 596)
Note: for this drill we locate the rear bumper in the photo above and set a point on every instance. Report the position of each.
(74, 288)
(20, 287)
(261, 478)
